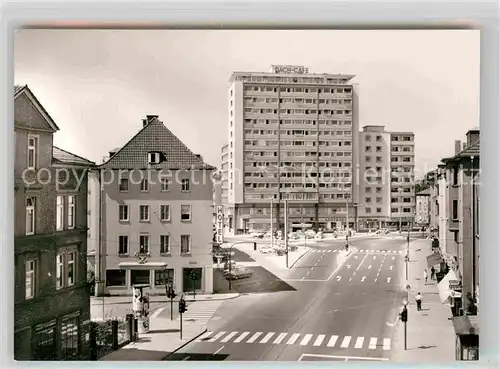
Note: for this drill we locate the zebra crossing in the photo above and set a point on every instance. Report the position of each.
(276, 338)
(200, 311)
(361, 251)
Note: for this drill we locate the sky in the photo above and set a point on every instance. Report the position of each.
(98, 84)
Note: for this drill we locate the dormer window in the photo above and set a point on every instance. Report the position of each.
(154, 157)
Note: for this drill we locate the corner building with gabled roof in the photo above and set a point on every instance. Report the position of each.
(152, 215)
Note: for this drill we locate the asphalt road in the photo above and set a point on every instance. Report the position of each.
(335, 312)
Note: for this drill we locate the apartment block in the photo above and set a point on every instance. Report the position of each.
(293, 136)
(375, 177)
(51, 295)
(152, 209)
(402, 179)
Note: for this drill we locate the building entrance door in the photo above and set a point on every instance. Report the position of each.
(188, 283)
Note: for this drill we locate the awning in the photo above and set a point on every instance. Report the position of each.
(444, 287)
(433, 259)
(144, 266)
(466, 324)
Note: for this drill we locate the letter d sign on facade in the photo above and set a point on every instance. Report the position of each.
(220, 224)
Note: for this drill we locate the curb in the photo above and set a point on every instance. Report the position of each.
(216, 299)
(300, 257)
(186, 343)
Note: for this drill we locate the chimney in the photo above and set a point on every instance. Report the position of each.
(144, 122)
(458, 146)
(199, 157)
(151, 117)
(472, 137)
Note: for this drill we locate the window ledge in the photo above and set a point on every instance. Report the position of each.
(166, 220)
(186, 220)
(186, 253)
(124, 221)
(123, 255)
(166, 254)
(144, 221)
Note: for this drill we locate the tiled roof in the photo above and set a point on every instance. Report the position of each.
(17, 88)
(61, 156)
(20, 89)
(155, 137)
(472, 150)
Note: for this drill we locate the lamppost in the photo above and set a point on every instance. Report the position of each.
(400, 191)
(347, 219)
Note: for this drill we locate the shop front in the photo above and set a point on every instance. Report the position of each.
(467, 337)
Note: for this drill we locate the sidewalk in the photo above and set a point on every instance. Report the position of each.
(430, 333)
(120, 306)
(162, 340)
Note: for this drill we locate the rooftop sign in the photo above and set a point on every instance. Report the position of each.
(290, 69)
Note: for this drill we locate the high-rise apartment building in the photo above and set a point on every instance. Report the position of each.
(402, 179)
(292, 136)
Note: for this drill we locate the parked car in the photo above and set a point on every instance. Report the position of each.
(239, 273)
(266, 250)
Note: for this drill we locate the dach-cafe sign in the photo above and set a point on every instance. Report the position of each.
(290, 69)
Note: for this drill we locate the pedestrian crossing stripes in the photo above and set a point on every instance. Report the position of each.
(361, 251)
(200, 311)
(276, 338)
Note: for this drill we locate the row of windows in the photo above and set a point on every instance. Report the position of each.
(145, 213)
(65, 209)
(401, 138)
(297, 111)
(267, 143)
(258, 185)
(145, 246)
(344, 90)
(403, 159)
(402, 149)
(326, 122)
(303, 79)
(117, 277)
(295, 100)
(405, 210)
(165, 184)
(297, 132)
(368, 138)
(66, 262)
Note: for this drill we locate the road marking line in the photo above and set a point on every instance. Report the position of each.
(219, 350)
(329, 250)
(228, 337)
(204, 335)
(157, 312)
(369, 266)
(387, 344)
(390, 268)
(280, 338)
(373, 343)
(388, 279)
(292, 339)
(267, 337)
(363, 279)
(339, 277)
(359, 342)
(393, 257)
(374, 257)
(319, 340)
(217, 336)
(332, 341)
(376, 279)
(254, 337)
(347, 358)
(241, 337)
(345, 342)
(350, 279)
(306, 339)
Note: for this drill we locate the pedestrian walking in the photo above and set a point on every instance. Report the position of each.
(418, 299)
(425, 275)
(433, 273)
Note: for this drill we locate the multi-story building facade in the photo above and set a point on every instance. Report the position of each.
(152, 215)
(462, 216)
(402, 179)
(422, 208)
(51, 301)
(375, 177)
(292, 136)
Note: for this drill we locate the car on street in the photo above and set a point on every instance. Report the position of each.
(238, 273)
(266, 250)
